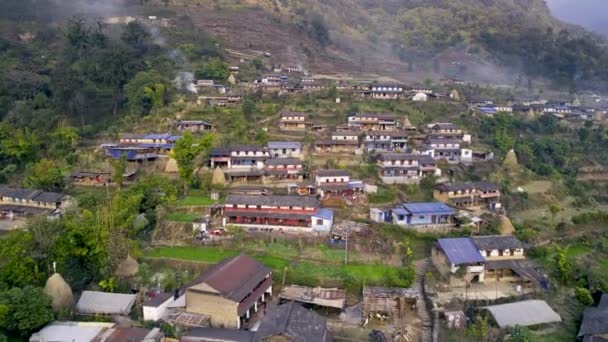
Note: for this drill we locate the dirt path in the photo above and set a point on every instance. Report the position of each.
(422, 266)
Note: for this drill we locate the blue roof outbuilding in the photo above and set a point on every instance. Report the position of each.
(325, 213)
(460, 251)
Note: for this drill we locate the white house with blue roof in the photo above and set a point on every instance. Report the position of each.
(451, 254)
(322, 220)
(423, 214)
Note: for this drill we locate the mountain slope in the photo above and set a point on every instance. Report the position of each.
(410, 39)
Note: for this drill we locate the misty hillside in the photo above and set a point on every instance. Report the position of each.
(477, 39)
(497, 41)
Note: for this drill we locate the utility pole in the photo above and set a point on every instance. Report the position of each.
(346, 248)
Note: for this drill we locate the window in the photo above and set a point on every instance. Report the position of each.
(259, 207)
(319, 222)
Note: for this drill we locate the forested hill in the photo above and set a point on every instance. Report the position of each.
(457, 37)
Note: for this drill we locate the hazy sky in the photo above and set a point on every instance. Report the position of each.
(591, 14)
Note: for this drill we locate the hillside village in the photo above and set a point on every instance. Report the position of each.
(270, 203)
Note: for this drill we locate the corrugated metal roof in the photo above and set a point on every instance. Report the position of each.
(490, 242)
(95, 302)
(333, 173)
(234, 277)
(325, 213)
(524, 313)
(284, 144)
(428, 208)
(460, 251)
(275, 200)
(294, 322)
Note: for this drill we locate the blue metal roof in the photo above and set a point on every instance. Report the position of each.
(325, 213)
(487, 109)
(159, 145)
(284, 144)
(428, 208)
(460, 251)
(400, 211)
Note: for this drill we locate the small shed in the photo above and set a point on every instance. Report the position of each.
(394, 301)
(155, 308)
(328, 297)
(103, 303)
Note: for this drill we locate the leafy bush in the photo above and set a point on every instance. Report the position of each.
(583, 296)
(383, 196)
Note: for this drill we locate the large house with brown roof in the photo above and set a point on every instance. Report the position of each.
(469, 194)
(336, 183)
(229, 292)
(485, 258)
(301, 214)
(290, 121)
(29, 201)
(405, 168)
(374, 122)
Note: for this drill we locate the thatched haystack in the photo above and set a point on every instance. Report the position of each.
(127, 268)
(455, 95)
(171, 166)
(407, 122)
(506, 227)
(511, 160)
(231, 79)
(59, 291)
(218, 177)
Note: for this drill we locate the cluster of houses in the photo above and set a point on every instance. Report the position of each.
(485, 259)
(444, 212)
(233, 300)
(560, 109)
(16, 202)
(141, 147)
(228, 302)
(385, 134)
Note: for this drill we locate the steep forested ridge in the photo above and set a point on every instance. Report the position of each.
(515, 33)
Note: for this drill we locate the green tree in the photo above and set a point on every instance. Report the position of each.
(186, 150)
(17, 266)
(583, 295)
(503, 141)
(29, 309)
(554, 209)
(44, 175)
(248, 108)
(479, 328)
(136, 36)
(520, 334)
(119, 167)
(563, 265)
(213, 69)
(145, 92)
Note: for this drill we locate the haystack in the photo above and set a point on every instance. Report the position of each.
(231, 79)
(506, 227)
(406, 122)
(171, 166)
(127, 268)
(511, 160)
(59, 291)
(218, 177)
(455, 95)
